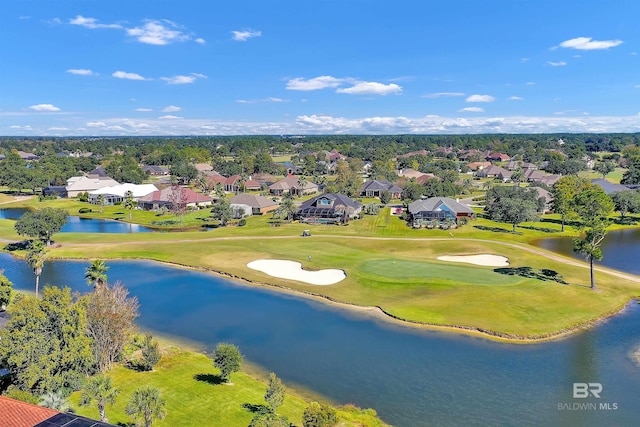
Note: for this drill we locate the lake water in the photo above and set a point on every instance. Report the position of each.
(621, 249)
(411, 377)
(76, 224)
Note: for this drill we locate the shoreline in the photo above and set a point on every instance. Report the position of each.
(378, 313)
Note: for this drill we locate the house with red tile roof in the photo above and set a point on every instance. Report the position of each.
(15, 413)
(172, 194)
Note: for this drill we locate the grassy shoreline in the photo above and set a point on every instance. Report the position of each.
(505, 308)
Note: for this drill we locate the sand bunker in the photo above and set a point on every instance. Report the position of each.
(293, 271)
(484, 260)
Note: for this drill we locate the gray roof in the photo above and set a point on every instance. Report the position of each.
(609, 187)
(252, 200)
(433, 204)
(380, 185)
(338, 199)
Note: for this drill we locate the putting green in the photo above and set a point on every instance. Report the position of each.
(399, 269)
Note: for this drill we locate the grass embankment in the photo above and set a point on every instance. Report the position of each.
(392, 266)
(195, 396)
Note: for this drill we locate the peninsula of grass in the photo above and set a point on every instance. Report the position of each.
(391, 266)
(195, 395)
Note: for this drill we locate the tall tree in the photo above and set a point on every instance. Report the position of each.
(44, 344)
(150, 352)
(564, 191)
(129, 202)
(626, 202)
(593, 207)
(99, 389)
(275, 393)
(604, 168)
(512, 205)
(100, 201)
(178, 200)
(146, 406)
(184, 171)
(42, 223)
(222, 211)
(5, 292)
(110, 322)
(287, 207)
(632, 175)
(36, 255)
(96, 273)
(228, 359)
(125, 169)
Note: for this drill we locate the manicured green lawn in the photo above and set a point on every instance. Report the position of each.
(426, 271)
(195, 397)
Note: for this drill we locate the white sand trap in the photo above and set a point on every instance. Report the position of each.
(293, 271)
(484, 260)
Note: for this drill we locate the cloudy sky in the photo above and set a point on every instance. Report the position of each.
(142, 67)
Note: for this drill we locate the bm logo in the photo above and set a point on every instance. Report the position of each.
(584, 390)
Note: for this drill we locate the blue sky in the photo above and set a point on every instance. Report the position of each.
(318, 67)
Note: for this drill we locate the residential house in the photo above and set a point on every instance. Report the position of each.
(15, 413)
(81, 184)
(438, 209)
(155, 170)
(258, 205)
(252, 185)
(203, 167)
(516, 164)
(375, 187)
(474, 166)
(549, 179)
(117, 193)
(425, 177)
(498, 157)
(2, 157)
(174, 194)
(328, 208)
(492, 171)
(409, 173)
(546, 195)
(414, 153)
(27, 156)
(232, 184)
(291, 185)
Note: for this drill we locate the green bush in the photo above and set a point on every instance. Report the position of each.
(84, 210)
(242, 222)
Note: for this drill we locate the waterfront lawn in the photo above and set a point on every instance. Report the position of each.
(195, 397)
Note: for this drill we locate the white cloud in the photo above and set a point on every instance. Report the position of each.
(443, 94)
(57, 128)
(44, 107)
(143, 110)
(81, 72)
(471, 110)
(257, 101)
(200, 40)
(169, 116)
(127, 76)
(95, 124)
(91, 23)
(637, 86)
(515, 98)
(158, 32)
(316, 83)
(524, 59)
(179, 80)
(530, 83)
(371, 88)
(480, 98)
(587, 43)
(171, 109)
(243, 36)
(556, 64)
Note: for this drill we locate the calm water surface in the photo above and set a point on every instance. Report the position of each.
(621, 249)
(83, 225)
(411, 377)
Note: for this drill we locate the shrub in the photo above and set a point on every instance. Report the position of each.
(150, 353)
(242, 222)
(84, 210)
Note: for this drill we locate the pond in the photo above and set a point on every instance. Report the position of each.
(621, 249)
(412, 377)
(76, 224)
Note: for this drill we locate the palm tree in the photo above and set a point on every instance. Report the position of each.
(287, 206)
(146, 406)
(35, 258)
(96, 273)
(101, 201)
(301, 184)
(129, 202)
(99, 388)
